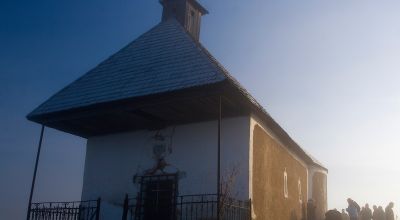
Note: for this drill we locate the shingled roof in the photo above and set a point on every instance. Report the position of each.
(164, 59)
(161, 60)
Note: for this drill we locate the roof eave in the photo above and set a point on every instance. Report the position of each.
(202, 10)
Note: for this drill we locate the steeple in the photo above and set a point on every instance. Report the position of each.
(186, 12)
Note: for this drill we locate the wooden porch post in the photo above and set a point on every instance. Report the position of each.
(34, 173)
(219, 161)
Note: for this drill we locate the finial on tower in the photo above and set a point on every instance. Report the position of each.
(186, 12)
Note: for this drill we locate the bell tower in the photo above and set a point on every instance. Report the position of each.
(186, 12)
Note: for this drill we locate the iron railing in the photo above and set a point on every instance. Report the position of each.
(82, 210)
(191, 207)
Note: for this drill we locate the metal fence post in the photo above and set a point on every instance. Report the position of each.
(98, 208)
(250, 210)
(126, 207)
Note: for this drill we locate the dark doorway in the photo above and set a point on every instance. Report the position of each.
(159, 197)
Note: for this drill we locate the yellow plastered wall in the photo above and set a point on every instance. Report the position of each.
(270, 160)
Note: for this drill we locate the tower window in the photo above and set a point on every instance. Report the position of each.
(192, 21)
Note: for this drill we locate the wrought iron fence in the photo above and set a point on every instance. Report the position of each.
(191, 207)
(82, 210)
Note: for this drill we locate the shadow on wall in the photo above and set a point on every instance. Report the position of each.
(293, 215)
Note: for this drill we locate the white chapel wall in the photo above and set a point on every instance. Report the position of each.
(113, 160)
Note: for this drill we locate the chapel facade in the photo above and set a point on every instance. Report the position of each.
(172, 135)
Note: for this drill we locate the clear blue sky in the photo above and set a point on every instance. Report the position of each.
(327, 71)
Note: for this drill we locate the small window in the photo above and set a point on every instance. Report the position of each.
(285, 185)
(300, 193)
(192, 20)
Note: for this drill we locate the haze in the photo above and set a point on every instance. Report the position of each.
(327, 71)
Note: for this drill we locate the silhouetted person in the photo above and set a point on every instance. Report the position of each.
(389, 211)
(333, 215)
(345, 216)
(362, 214)
(311, 210)
(357, 207)
(352, 209)
(375, 214)
(381, 213)
(367, 215)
